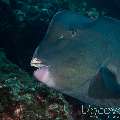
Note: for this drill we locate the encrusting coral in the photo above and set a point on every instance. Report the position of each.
(21, 97)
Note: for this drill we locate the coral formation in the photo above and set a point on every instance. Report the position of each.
(22, 98)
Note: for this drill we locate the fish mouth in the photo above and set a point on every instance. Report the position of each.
(37, 63)
(41, 72)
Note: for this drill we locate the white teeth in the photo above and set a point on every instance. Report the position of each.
(35, 62)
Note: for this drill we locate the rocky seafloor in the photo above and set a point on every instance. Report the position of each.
(21, 98)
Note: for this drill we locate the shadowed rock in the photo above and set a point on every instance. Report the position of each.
(80, 57)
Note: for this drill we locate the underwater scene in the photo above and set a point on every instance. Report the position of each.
(59, 59)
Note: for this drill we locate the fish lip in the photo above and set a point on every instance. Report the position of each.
(41, 68)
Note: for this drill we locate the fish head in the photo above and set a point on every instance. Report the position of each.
(57, 57)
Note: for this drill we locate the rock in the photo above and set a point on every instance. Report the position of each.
(21, 97)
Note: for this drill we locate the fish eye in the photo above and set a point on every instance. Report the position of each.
(74, 33)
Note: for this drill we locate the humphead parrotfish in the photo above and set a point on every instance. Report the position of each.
(80, 57)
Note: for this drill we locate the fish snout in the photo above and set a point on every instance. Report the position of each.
(37, 63)
(42, 73)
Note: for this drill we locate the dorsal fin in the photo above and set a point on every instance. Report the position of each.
(104, 85)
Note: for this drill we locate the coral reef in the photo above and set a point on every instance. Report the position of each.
(22, 98)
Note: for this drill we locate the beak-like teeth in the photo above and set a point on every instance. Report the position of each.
(42, 65)
(35, 62)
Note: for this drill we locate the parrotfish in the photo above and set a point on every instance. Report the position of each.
(80, 57)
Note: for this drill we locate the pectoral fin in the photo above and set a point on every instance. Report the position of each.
(104, 85)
